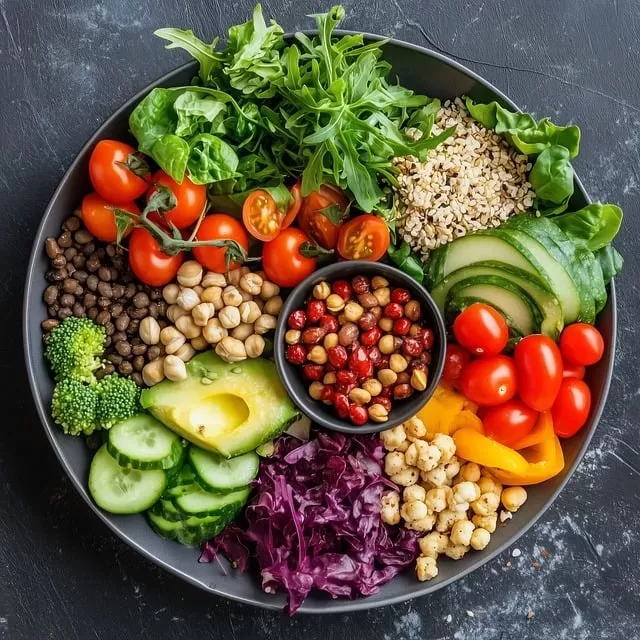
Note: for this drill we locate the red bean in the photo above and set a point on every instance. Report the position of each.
(393, 310)
(358, 414)
(360, 284)
(367, 321)
(313, 335)
(337, 356)
(296, 354)
(297, 319)
(371, 337)
(327, 394)
(313, 372)
(375, 356)
(360, 364)
(345, 388)
(427, 337)
(342, 288)
(384, 401)
(412, 347)
(342, 404)
(330, 323)
(345, 377)
(401, 326)
(401, 296)
(315, 310)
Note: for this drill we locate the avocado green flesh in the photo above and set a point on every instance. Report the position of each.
(229, 409)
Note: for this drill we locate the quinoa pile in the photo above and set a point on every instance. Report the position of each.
(473, 180)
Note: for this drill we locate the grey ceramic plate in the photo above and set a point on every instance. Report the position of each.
(426, 72)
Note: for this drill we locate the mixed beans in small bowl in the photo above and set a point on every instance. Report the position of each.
(360, 346)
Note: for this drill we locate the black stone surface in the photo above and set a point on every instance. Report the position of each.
(65, 65)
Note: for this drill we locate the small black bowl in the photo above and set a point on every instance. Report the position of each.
(291, 375)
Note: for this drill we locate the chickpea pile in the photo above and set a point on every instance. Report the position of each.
(229, 313)
(454, 503)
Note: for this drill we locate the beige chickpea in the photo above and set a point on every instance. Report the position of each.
(413, 510)
(234, 276)
(429, 456)
(415, 427)
(202, 312)
(214, 331)
(185, 352)
(170, 334)
(199, 289)
(335, 303)
(406, 477)
(174, 368)
(433, 544)
(456, 551)
(436, 499)
(269, 289)
(292, 336)
(170, 293)
(479, 540)
(214, 296)
(422, 525)
(383, 296)
(447, 518)
(403, 446)
(426, 568)
(317, 354)
(330, 340)
(242, 331)
(149, 330)
(231, 350)
(386, 344)
(387, 377)
(246, 297)
(359, 396)
(414, 492)
(153, 372)
(488, 484)
(452, 468)
(390, 508)
(385, 324)
(174, 312)
(250, 312)
(378, 413)
(329, 378)
(394, 462)
(188, 327)
(353, 311)
(437, 477)
(378, 282)
(254, 346)
(229, 317)
(486, 504)
(322, 291)
(470, 472)
(189, 273)
(266, 322)
(398, 362)
(446, 444)
(199, 343)
(273, 306)
(465, 492)
(461, 532)
(231, 296)
(187, 299)
(393, 438)
(372, 386)
(315, 390)
(212, 279)
(418, 380)
(251, 283)
(513, 498)
(488, 523)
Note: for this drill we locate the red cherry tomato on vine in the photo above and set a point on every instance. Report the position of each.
(509, 422)
(455, 360)
(365, 237)
(490, 380)
(191, 199)
(260, 215)
(322, 213)
(219, 226)
(539, 367)
(481, 330)
(581, 343)
(148, 262)
(282, 261)
(110, 175)
(99, 218)
(571, 408)
(573, 370)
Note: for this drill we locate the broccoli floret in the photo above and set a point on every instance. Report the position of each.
(118, 399)
(73, 407)
(74, 349)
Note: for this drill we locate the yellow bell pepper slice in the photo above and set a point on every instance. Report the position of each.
(442, 409)
(546, 460)
(476, 447)
(466, 419)
(542, 431)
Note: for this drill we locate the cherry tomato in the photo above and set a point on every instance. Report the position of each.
(219, 226)
(294, 207)
(321, 215)
(282, 261)
(148, 262)
(260, 215)
(455, 360)
(366, 237)
(539, 367)
(573, 371)
(490, 380)
(509, 422)
(571, 408)
(111, 177)
(581, 343)
(191, 200)
(481, 330)
(98, 216)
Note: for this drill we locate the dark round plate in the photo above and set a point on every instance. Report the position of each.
(426, 72)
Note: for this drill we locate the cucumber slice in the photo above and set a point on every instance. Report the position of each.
(163, 527)
(202, 503)
(141, 442)
(191, 531)
(118, 489)
(167, 510)
(219, 474)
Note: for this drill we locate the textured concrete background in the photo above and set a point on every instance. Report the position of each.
(64, 67)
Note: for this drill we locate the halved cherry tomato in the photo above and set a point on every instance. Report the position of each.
(490, 380)
(219, 226)
(573, 370)
(509, 422)
(191, 200)
(366, 237)
(99, 218)
(571, 408)
(148, 262)
(282, 261)
(455, 360)
(294, 207)
(481, 329)
(322, 214)
(110, 175)
(260, 215)
(581, 343)
(539, 367)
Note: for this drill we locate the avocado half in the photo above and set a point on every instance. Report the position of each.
(226, 408)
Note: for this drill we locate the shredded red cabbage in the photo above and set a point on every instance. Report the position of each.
(314, 521)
